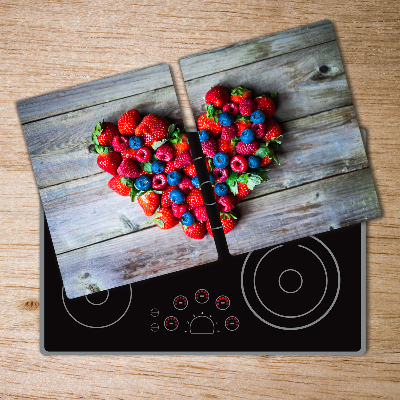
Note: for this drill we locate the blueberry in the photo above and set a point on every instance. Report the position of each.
(136, 142)
(212, 179)
(187, 218)
(247, 136)
(221, 189)
(204, 135)
(177, 196)
(195, 181)
(143, 182)
(221, 160)
(254, 162)
(174, 178)
(157, 166)
(258, 117)
(225, 119)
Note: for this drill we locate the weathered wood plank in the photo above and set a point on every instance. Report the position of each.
(257, 49)
(58, 146)
(96, 92)
(314, 148)
(303, 211)
(75, 220)
(87, 211)
(302, 88)
(142, 255)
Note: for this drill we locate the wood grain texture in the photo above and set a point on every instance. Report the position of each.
(49, 48)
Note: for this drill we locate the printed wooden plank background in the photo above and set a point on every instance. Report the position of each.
(92, 228)
(323, 181)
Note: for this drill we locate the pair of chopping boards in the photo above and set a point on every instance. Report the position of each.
(323, 181)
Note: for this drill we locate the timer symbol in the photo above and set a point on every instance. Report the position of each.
(202, 296)
(180, 302)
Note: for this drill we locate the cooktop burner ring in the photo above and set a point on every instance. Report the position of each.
(97, 304)
(255, 303)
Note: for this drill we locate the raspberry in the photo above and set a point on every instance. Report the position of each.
(209, 147)
(226, 203)
(246, 107)
(179, 209)
(201, 213)
(165, 152)
(220, 174)
(239, 163)
(183, 159)
(186, 185)
(247, 149)
(129, 168)
(231, 108)
(143, 154)
(120, 143)
(229, 132)
(159, 181)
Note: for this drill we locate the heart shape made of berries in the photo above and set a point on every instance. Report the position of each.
(150, 160)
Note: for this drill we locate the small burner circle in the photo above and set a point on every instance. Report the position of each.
(98, 304)
(291, 278)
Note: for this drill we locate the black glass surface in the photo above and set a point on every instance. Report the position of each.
(290, 298)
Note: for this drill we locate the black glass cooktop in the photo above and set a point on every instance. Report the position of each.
(305, 296)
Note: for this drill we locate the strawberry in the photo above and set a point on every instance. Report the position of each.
(179, 209)
(246, 107)
(153, 129)
(179, 143)
(241, 125)
(265, 104)
(190, 170)
(218, 96)
(129, 168)
(109, 162)
(226, 203)
(129, 153)
(169, 167)
(183, 159)
(149, 201)
(209, 147)
(118, 186)
(194, 199)
(104, 133)
(240, 93)
(243, 191)
(209, 124)
(165, 200)
(196, 230)
(128, 122)
(228, 221)
(226, 147)
(247, 149)
(273, 130)
(164, 218)
(165, 152)
(265, 161)
(201, 213)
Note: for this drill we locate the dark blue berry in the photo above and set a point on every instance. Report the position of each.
(143, 182)
(177, 196)
(247, 136)
(174, 178)
(221, 189)
(258, 117)
(204, 135)
(195, 181)
(254, 162)
(221, 160)
(136, 142)
(225, 119)
(157, 166)
(187, 219)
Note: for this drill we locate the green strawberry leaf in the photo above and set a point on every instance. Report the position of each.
(133, 193)
(141, 192)
(253, 181)
(171, 129)
(234, 189)
(158, 192)
(101, 149)
(239, 90)
(210, 164)
(129, 182)
(216, 115)
(156, 145)
(241, 118)
(277, 139)
(262, 152)
(97, 131)
(232, 182)
(147, 167)
(243, 178)
(227, 215)
(273, 95)
(235, 140)
(210, 110)
(159, 222)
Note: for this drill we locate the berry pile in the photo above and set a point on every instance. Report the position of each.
(150, 160)
(239, 139)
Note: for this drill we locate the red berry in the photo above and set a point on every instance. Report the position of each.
(247, 149)
(129, 168)
(129, 153)
(190, 170)
(217, 95)
(128, 122)
(243, 191)
(201, 213)
(165, 219)
(196, 230)
(165, 200)
(109, 162)
(159, 182)
(179, 209)
(169, 167)
(208, 124)
(226, 203)
(240, 93)
(220, 174)
(115, 184)
(165, 152)
(259, 129)
(229, 132)
(183, 159)
(149, 201)
(242, 125)
(143, 154)
(120, 143)
(226, 147)
(228, 221)
(104, 133)
(239, 163)
(194, 199)
(186, 185)
(231, 108)
(273, 129)
(246, 107)
(209, 147)
(153, 129)
(266, 105)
